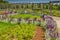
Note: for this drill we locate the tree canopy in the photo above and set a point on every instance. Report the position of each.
(3, 1)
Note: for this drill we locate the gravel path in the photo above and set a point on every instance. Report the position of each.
(57, 19)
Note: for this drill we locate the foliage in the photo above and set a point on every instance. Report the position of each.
(14, 31)
(3, 1)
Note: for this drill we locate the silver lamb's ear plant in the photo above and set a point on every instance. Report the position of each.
(39, 21)
(34, 20)
(29, 21)
(19, 20)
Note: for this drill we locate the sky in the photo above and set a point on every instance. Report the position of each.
(30, 1)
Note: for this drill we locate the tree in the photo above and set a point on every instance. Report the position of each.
(3, 1)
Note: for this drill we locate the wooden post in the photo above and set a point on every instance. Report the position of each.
(42, 8)
(21, 6)
(27, 5)
(15, 6)
(50, 8)
(39, 5)
(32, 5)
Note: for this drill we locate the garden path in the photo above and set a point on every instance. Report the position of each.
(39, 34)
(57, 19)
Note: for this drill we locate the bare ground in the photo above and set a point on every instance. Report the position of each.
(39, 34)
